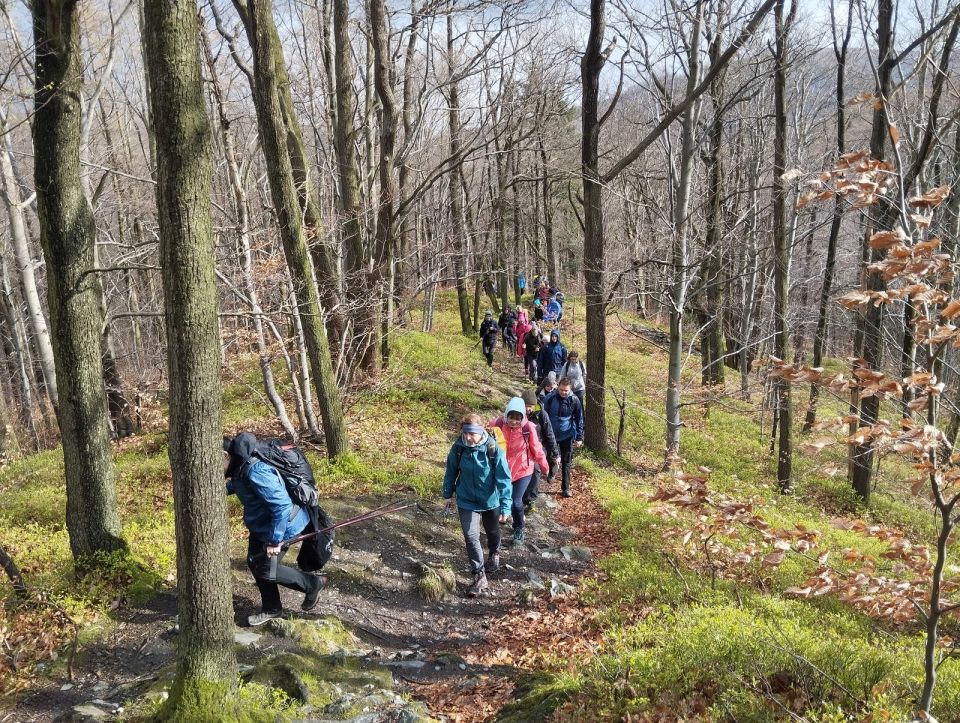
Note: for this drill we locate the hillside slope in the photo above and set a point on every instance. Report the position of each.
(704, 603)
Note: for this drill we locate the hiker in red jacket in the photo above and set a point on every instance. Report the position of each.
(524, 453)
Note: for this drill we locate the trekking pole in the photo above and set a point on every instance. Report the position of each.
(369, 515)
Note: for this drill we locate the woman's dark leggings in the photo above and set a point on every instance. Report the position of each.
(519, 487)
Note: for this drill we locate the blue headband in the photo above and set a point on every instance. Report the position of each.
(472, 429)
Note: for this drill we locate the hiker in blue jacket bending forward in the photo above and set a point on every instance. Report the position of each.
(271, 517)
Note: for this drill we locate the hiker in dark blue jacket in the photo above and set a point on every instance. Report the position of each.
(552, 357)
(566, 417)
(271, 517)
(477, 472)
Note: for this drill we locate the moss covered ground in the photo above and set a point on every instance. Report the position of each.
(678, 643)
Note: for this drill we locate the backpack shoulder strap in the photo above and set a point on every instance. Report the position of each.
(582, 370)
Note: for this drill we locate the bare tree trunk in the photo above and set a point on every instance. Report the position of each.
(386, 223)
(547, 202)
(594, 58)
(712, 334)
(679, 275)
(819, 338)
(365, 343)
(781, 243)
(205, 657)
(67, 233)
(246, 257)
(25, 263)
(873, 320)
(17, 354)
(753, 259)
(324, 264)
(283, 191)
(456, 193)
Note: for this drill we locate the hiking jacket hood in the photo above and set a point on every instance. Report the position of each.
(523, 443)
(553, 355)
(576, 373)
(566, 416)
(478, 484)
(267, 508)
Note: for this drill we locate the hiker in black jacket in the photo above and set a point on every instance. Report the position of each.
(488, 336)
(531, 348)
(508, 322)
(541, 421)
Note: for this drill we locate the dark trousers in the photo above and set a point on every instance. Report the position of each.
(470, 524)
(519, 488)
(566, 459)
(533, 488)
(488, 345)
(579, 394)
(269, 574)
(530, 366)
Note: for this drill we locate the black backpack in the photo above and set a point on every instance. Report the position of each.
(290, 462)
(316, 551)
(293, 467)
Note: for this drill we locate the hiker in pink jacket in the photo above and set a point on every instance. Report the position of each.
(524, 451)
(523, 326)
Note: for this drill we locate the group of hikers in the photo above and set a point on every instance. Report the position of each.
(489, 480)
(493, 470)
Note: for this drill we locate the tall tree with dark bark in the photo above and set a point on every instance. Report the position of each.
(324, 264)
(840, 45)
(289, 218)
(362, 308)
(384, 247)
(781, 240)
(67, 233)
(205, 657)
(591, 64)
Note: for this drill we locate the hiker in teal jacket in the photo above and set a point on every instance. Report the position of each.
(477, 472)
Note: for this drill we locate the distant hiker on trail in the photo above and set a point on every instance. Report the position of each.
(477, 472)
(566, 416)
(508, 322)
(552, 356)
(524, 455)
(539, 419)
(547, 386)
(531, 347)
(522, 283)
(576, 372)
(554, 311)
(543, 292)
(523, 328)
(488, 336)
(271, 517)
(538, 309)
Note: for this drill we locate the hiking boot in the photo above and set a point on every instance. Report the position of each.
(493, 563)
(478, 585)
(518, 537)
(311, 598)
(262, 617)
(567, 493)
